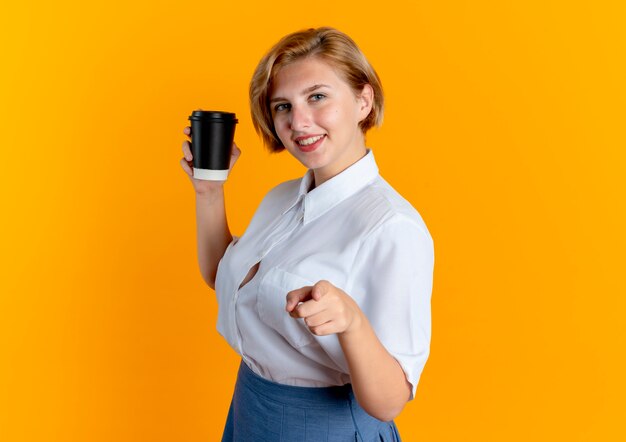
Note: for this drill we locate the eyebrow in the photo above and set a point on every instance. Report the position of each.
(305, 91)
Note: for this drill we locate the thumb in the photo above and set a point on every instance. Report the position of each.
(234, 156)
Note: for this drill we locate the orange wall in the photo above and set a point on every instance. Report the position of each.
(504, 128)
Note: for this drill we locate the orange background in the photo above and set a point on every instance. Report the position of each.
(504, 127)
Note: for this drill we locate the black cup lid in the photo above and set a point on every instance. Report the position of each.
(213, 115)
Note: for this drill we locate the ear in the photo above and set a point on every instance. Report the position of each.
(366, 101)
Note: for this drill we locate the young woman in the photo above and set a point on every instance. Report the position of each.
(326, 296)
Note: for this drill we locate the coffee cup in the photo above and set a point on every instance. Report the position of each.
(212, 135)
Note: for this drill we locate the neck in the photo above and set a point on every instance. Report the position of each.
(350, 158)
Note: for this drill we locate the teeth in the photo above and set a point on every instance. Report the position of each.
(309, 141)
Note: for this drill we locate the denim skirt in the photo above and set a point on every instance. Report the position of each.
(265, 411)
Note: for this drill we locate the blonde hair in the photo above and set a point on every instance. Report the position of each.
(330, 45)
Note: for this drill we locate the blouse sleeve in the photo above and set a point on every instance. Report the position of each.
(391, 281)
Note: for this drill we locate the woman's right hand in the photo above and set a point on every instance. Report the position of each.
(203, 186)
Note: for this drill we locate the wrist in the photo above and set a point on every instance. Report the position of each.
(210, 194)
(357, 326)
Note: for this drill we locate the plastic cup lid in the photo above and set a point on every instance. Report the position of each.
(213, 115)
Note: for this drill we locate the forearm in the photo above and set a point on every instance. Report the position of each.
(378, 381)
(212, 232)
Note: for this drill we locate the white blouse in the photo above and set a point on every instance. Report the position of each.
(358, 233)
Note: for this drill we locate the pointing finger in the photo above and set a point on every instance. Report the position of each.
(319, 290)
(297, 296)
(307, 309)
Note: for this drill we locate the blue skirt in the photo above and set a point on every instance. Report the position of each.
(265, 411)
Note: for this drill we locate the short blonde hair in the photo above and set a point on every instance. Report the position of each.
(330, 45)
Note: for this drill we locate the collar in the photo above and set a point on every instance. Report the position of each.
(335, 190)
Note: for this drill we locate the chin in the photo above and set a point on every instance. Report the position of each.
(314, 163)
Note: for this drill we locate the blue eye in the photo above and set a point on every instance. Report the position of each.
(281, 106)
(317, 97)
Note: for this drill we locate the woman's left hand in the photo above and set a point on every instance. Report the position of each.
(326, 309)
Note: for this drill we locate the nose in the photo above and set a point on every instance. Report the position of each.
(300, 118)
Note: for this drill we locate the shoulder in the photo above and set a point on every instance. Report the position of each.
(384, 213)
(280, 195)
(285, 189)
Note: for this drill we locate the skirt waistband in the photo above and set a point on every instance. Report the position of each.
(326, 397)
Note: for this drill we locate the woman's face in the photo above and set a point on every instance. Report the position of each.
(316, 116)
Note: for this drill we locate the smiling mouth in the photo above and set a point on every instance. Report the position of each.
(309, 141)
